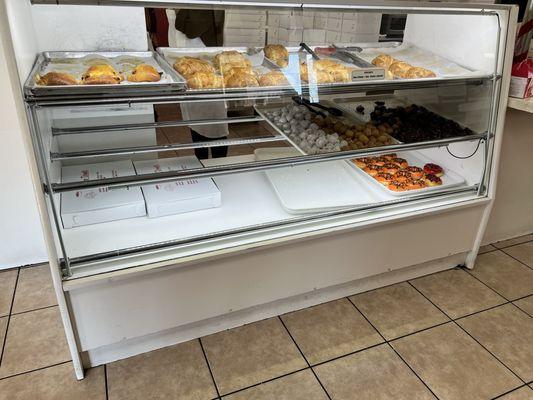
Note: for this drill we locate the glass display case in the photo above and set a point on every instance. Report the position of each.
(232, 145)
(269, 157)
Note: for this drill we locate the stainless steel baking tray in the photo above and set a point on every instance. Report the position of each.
(77, 62)
(264, 110)
(295, 86)
(364, 72)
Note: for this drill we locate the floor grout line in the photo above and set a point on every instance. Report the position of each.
(209, 367)
(511, 245)
(265, 381)
(485, 284)
(473, 338)
(521, 309)
(105, 382)
(510, 391)
(9, 317)
(35, 309)
(394, 350)
(34, 370)
(514, 258)
(304, 357)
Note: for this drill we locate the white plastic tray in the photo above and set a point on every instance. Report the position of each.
(414, 158)
(316, 187)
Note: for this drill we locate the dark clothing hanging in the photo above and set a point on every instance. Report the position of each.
(208, 25)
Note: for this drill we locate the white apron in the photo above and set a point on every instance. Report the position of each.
(200, 110)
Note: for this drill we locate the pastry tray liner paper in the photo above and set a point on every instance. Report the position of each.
(76, 63)
(417, 57)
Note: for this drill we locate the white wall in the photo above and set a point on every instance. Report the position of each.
(21, 239)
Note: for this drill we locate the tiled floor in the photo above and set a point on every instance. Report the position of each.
(454, 335)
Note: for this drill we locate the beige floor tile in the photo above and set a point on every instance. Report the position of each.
(35, 339)
(373, 374)
(526, 304)
(457, 293)
(505, 275)
(513, 241)
(54, 383)
(524, 393)
(453, 365)
(330, 330)
(251, 354)
(7, 287)
(506, 332)
(522, 252)
(34, 289)
(398, 310)
(299, 386)
(486, 248)
(176, 372)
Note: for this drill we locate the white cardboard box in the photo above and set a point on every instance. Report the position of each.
(291, 21)
(94, 206)
(334, 24)
(257, 21)
(314, 36)
(333, 37)
(290, 35)
(180, 196)
(349, 26)
(320, 22)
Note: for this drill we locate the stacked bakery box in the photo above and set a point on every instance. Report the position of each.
(290, 28)
(93, 206)
(245, 28)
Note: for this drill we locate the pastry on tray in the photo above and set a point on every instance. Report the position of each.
(277, 53)
(326, 71)
(231, 57)
(57, 79)
(419, 72)
(383, 61)
(395, 68)
(273, 78)
(239, 79)
(144, 73)
(205, 80)
(189, 65)
(320, 76)
(101, 74)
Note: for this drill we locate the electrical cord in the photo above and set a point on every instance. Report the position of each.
(465, 157)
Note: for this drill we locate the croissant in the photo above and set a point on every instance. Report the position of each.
(189, 65)
(57, 79)
(205, 80)
(144, 73)
(383, 61)
(399, 69)
(320, 76)
(240, 79)
(229, 68)
(101, 74)
(231, 57)
(277, 53)
(273, 78)
(419, 72)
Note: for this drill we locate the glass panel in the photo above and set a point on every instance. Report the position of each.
(271, 141)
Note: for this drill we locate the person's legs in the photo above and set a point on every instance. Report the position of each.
(220, 151)
(201, 153)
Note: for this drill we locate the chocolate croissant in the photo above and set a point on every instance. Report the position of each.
(57, 79)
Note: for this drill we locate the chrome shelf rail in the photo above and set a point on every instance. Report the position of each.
(152, 125)
(86, 261)
(76, 155)
(146, 179)
(260, 93)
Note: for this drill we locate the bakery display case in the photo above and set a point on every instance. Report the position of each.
(176, 160)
